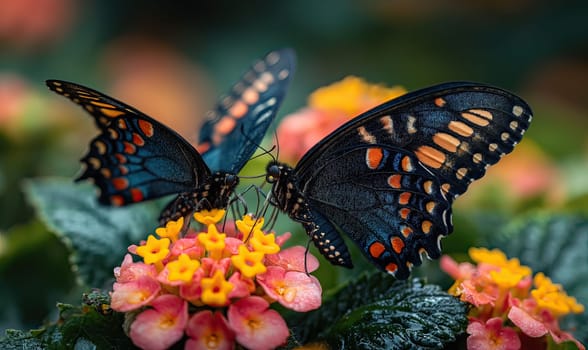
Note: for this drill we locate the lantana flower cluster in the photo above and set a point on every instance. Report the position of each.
(328, 108)
(512, 309)
(211, 288)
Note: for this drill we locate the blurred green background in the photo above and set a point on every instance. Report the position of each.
(171, 59)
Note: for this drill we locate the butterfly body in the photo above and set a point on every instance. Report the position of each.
(388, 177)
(135, 158)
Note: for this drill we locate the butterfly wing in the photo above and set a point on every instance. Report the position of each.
(134, 158)
(235, 128)
(388, 177)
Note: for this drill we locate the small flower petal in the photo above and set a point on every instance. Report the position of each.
(134, 294)
(215, 290)
(154, 250)
(293, 289)
(161, 326)
(256, 325)
(209, 331)
(209, 217)
(295, 258)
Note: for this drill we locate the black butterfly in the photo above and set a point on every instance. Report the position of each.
(135, 158)
(388, 177)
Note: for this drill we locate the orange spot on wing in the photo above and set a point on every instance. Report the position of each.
(406, 231)
(203, 147)
(123, 169)
(122, 124)
(117, 200)
(406, 164)
(391, 267)
(483, 113)
(225, 125)
(446, 141)
(460, 128)
(137, 195)
(474, 119)
(146, 127)
(111, 113)
(404, 198)
(426, 226)
(121, 158)
(129, 148)
(395, 181)
(239, 109)
(430, 156)
(94, 162)
(138, 140)
(100, 147)
(428, 186)
(100, 104)
(250, 96)
(397, 244)
(445, 188)
(120, 183)
(439, 102)
(430, 206)
(376, 249)
(373, 157)
(404, 213)
(106, 173)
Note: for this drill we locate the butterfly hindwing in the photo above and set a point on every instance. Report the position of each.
(239, 122)
(388, 177)
(134, 158)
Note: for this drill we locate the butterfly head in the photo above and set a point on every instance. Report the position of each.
(273, 172)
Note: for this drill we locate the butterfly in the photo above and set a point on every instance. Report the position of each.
(388, 177)
(135, 158)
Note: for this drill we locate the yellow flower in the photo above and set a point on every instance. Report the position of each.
(249, 263)
(171, 230)
(248, 225)
(155, 250)
(506, 278)
(215, 289)
(208, 217)
(266, 244)
(182, 269)
(213, 241)
(352, 96)
(552, 297)
(493, 257)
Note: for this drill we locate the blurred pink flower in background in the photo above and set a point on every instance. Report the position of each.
(32, 23)
(156, 79)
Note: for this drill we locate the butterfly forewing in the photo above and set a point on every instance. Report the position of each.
(134, 158)
(238, 123)
(388, 177)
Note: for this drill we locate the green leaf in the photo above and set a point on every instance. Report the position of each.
(98, 236)
(556, 245)
(378, 312)
(78, 327)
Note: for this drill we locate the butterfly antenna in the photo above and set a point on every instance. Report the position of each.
(265, 151)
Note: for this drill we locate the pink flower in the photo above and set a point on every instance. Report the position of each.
(457, 271)
(131, 271)
(256, 325)
(209, 331)
(193, 291)
(492, 336)
(293, 289)
(134, 294)
(161, 326)
(189, 246)
(477, 294)
(294, 259)
(529, 325)
(242, 286)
